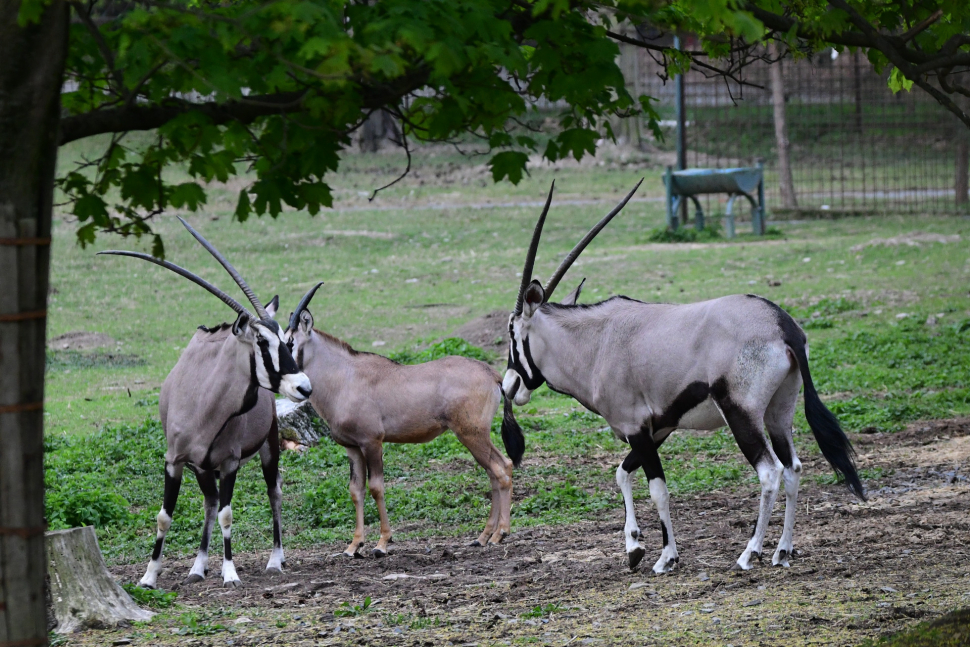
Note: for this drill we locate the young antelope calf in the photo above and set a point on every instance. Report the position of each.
(368, 400)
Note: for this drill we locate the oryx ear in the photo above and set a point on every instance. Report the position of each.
(534, 297)
(240, 327)
(306, 321)
(273, 306)
(573, 296)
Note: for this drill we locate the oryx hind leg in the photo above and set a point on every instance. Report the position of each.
(269, 459)
(210, 494)
(358, 484)
(646, 452)
(499, 470)
(747, 425)
(778, 421)
(173, 483)
(625, 473)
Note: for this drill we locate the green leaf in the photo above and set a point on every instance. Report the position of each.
(898, 81)
(510, 164)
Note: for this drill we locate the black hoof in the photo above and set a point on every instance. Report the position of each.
(635, 556)
(476, 543)
(274, 571)
(194, 578)
(147, 587)
(378, 553)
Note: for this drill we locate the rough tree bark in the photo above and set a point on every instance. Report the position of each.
(31, 68)
(781, 129)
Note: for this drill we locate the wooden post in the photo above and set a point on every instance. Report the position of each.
(785, 182)
(30, 83)
(961, 183)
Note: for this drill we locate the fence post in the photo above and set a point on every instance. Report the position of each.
(786, 184)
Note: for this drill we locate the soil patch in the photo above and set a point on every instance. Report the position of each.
(489, 332)
(860, 570)
(81, 340)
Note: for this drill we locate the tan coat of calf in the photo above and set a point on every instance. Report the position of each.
(368, 400)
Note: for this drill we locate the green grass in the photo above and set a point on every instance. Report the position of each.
(105, 445)
(952, 630)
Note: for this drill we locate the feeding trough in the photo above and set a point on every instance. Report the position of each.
(736, 182)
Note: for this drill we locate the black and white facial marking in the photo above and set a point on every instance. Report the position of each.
(522, 376)
(276, 369)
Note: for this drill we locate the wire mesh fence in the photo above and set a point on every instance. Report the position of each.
(855, 147)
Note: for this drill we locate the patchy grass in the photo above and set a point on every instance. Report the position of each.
(952, 630)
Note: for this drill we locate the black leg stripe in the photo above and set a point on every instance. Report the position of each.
(663, 531)
(227, 549)
(157, 551)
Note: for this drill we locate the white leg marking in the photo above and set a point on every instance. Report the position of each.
(275, 560)
(164, 522)
(769, 473)
(784, 550)
(200, 565)
(631, 530)
(229, 577)
(669, 556)
(151, 574)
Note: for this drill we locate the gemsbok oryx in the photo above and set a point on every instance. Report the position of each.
(650, 368)
(217, 411)
(368, 400)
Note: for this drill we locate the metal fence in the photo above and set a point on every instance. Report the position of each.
(854, 145)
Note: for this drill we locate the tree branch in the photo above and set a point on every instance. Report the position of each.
(882, 43)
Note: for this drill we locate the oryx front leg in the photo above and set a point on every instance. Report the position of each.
(269, 458)
(358, 483)
(625, 473)
(210, 493)
(226, 485)
(173, 483)
(647, 454)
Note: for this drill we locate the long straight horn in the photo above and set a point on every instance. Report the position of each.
(530, 257)
(225, 298)
(581, 245)
(260, 310)
(304, 302)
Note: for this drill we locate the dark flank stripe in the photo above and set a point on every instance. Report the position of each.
(694, 394)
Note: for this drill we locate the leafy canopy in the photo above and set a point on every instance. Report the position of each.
(271, 91)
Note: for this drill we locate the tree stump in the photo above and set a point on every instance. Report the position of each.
(83, 593)
(299, 423)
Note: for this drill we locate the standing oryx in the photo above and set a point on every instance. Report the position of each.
(368, 400)
(650, 368)
(217, 412)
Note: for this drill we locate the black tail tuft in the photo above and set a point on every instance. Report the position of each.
(512, 434)
(828, 433)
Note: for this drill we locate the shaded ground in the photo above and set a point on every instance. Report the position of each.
(862, 570)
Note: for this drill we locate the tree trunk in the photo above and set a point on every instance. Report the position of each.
(781, 130)
(30, 82)
(83, 593)
(962, 182)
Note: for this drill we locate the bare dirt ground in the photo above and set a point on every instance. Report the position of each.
(861, 570)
